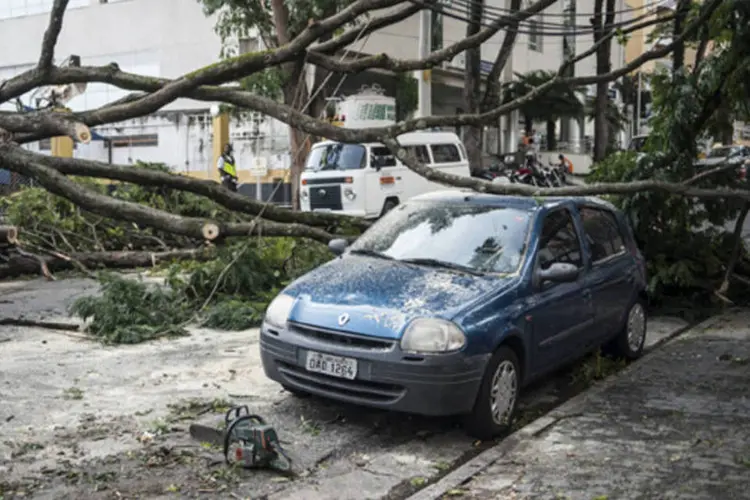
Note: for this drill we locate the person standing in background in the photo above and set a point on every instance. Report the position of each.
(227, 168)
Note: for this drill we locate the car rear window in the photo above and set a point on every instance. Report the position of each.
(602, 233)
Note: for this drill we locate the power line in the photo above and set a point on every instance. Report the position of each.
(543, 14)
(565, 13)
(568, 32)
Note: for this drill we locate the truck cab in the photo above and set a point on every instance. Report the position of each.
(367, 180)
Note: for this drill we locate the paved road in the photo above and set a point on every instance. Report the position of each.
(675, 425)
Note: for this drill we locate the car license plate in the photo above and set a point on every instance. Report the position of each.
(331, 365)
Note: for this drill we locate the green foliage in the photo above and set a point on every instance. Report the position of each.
(684, 242)
(130, 311)
(407, 95)
(50, 222)
(229, 292)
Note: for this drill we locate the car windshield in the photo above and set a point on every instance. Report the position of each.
(336, 157)
(475, 237)
(721, 152)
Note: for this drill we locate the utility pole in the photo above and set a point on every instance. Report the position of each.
(424, 77)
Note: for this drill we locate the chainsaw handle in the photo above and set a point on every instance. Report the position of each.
(235, 413)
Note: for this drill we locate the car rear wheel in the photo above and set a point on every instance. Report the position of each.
(496, 402)
(630, 341)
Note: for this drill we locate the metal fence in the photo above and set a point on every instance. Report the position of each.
(10, 182)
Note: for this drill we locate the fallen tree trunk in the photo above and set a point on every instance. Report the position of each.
(8, 235)
(19, 265)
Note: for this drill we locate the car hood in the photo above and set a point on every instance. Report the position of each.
(379, 297)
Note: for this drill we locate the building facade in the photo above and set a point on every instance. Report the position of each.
(168, 38)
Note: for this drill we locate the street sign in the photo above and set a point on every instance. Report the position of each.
(259, 167)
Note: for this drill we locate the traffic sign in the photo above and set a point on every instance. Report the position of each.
(259, 167)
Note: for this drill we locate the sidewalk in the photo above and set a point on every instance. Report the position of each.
(676, 424)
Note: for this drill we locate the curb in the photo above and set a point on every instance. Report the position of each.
(571, 407)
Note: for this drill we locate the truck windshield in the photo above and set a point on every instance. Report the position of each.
(337, 157)
(482, 238)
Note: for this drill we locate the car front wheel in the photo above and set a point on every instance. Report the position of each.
(496, 402)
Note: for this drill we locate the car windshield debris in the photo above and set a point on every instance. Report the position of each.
(442, 264)
(460, 236)
(371, 253)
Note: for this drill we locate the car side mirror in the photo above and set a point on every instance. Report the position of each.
(559, 272)
(338, 246)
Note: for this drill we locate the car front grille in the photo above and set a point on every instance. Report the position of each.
(325, 197)
(342, 339)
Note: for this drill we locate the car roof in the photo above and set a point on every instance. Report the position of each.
(519, 202)
(420, 136)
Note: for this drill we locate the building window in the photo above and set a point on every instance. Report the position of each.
(436, 29)
(535, 34)
(135, 141)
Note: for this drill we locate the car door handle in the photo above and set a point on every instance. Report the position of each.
(631, 276)
(586, 293)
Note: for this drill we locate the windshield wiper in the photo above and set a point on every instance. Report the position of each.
(442, 264)
(371, 253)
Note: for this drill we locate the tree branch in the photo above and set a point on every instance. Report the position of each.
(376, 23)
(434, 59)
(46, 123)
(492, 90)
(227, 70)
(209, 189)
(597, 189)
(51, 35)
(192, 227)
(112, 75)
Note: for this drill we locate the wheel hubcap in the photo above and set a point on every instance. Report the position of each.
(503, 394)
(636, 327)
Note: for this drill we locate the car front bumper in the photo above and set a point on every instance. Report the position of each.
(387, 378)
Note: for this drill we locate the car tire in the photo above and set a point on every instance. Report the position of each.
(484, 423)
(296, 392)
(630, 341)
(388, 206)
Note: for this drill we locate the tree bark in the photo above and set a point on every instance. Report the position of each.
(678, 56)
(602, 27)
(20, 265)
(472, 86)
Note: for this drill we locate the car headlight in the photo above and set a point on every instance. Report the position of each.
(350, 194)
(278, 310)
(432, 335)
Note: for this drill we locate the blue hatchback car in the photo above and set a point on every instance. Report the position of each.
(453, 301)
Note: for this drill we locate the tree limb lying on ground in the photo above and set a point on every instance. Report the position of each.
(202, 84)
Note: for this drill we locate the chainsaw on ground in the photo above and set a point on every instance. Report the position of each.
(247, 440)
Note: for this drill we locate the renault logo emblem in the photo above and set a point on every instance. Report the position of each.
(343, 319)
(322, 192)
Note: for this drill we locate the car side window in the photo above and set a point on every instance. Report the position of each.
(445, 153)
(383, 156)
(602, 233)
(559, 241)
(419, 153)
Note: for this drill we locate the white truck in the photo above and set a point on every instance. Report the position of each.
(366, 180)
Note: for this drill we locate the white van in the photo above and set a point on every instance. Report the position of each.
(366, 180)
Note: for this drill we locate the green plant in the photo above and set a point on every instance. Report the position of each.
(131, 311)
(229, 292)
